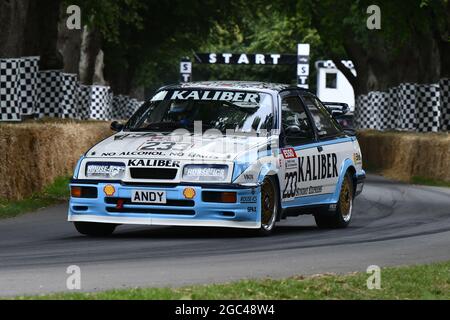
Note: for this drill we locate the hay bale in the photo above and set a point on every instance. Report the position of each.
(33, 154)
(402, 155)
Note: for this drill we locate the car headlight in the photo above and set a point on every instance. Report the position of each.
(105, 170)
(205, 173)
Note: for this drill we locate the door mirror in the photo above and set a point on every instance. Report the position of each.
(116, 126)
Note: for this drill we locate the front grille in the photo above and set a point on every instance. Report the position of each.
(151, 211)
(170, 203)
(153, 173)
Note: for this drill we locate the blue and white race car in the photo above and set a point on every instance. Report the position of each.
(220, 154)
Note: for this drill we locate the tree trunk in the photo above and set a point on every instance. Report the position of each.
(90, 50)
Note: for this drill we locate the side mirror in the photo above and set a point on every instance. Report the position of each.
(116, 126)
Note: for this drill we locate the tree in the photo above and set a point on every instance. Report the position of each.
(412, 45)
(29, 28)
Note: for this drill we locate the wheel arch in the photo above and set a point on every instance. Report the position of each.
(347, 166)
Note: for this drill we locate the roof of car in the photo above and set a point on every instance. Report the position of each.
(239, 85)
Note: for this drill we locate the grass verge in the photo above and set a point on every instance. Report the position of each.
(415, 282)
(57, 192)
(430, 182)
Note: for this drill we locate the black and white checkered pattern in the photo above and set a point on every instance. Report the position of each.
(28, 85)
(362, 112)
(393, 117)
(9, 90)
(120, 107)
(84, 101)
(444, 88)
(379, 110)
(100, 103)
(50, 93)
(407, 102)
(427, 108)
(69, 99)
(123, 107)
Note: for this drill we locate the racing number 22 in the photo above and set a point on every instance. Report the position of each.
(290, 187)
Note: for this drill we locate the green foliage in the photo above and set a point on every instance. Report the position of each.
(54, 193)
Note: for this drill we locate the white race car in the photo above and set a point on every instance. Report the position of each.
(220, 154)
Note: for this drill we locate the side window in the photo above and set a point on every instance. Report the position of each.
(322, 119)
(295, 123)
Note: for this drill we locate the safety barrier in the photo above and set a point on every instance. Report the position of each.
(407, 107)
(27, 92)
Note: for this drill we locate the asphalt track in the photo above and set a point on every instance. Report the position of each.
(394, 224)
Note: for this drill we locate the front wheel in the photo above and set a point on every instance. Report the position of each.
(343, 215)
(270, 204)
(95, 229)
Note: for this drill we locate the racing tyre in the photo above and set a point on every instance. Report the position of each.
(342, 216)
(270, 206)
(95, 229)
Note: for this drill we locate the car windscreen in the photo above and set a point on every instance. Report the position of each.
(207, 109)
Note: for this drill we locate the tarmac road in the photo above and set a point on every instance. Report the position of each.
(394, 224)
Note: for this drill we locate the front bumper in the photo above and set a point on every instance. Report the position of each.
(360, 178)
(178, 211)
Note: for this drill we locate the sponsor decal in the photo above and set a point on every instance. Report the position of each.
(248, 199)
(291, 164)
(153, 163)
(251, 210)
(131, 153)
(209, 95)
(317, 167)
(289, 153)
(249, 177)
(357, 158)
(308, 191)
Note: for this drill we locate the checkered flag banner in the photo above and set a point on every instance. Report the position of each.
(444, 95)
(28, 85)
(100, 103)
(50, 94)
(120, 107)
(123, 107)
(9, 90)
(362, 112)
(393, 122)
(407, 102)
(84, 101)
(379, 109)
(69, 98)
(427, 108)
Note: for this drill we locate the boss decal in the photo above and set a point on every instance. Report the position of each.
(153, 163)
(248, 199)
(318, 167)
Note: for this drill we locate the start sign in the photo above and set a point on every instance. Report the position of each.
(301, 60)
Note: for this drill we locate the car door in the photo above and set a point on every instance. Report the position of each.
(333, 145)
(297, 141)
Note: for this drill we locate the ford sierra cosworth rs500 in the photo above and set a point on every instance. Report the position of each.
(220, 154)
